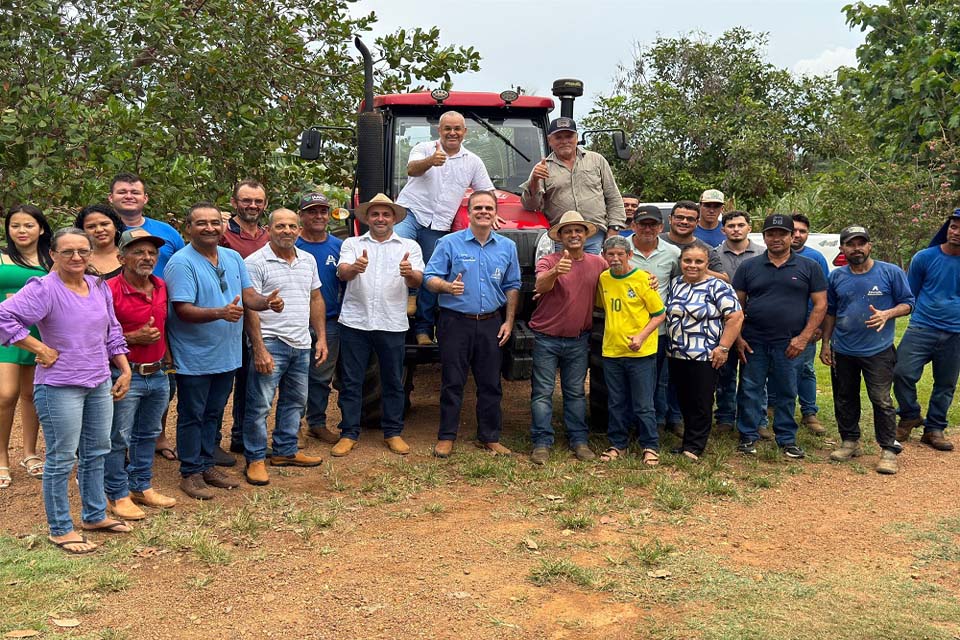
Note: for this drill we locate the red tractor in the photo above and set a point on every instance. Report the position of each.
(507, 131)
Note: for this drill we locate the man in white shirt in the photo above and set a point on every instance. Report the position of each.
(378, 267)
(440, 172)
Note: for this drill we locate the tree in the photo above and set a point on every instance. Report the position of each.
(192, 94)
(908, 73)
(708, 113)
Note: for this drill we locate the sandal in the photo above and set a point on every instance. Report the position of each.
(610, 454)
(166, 453)
(651, 458)
(109, 526)
(5, 479)
(67, 545)
(34, 469)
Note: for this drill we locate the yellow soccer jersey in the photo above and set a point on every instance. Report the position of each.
(629, 303)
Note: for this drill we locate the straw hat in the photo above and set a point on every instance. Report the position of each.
(380, 199)
(571, 217)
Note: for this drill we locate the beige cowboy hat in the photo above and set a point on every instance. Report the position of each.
(571, 217)
(380, 199)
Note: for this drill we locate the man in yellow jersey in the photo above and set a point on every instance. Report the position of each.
(633, 311)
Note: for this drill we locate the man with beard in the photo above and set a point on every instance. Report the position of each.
(933, 336)
(683, 222)
(863, 299)
(774, 290)
(280, 344)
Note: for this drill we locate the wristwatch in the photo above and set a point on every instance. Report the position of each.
(615, 227)
(723, 348)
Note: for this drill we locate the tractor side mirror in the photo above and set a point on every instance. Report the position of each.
(310, 144)
(620, 146)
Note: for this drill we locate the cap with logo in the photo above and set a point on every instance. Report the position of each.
(561, 124)
(647, 212)
(855, 231)
(778, 221)
(313, 199)
(712, 195)
(130, 236)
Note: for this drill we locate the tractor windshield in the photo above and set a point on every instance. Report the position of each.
(507, 169)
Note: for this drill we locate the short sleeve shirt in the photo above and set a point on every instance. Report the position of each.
(205, 348)
(134, 310)
(628, 302)
(849, 297)
(327, 254)
(714, 261)
(566, 311)
(695, 316)
(664, 263)
(172, 242)
(296, 281)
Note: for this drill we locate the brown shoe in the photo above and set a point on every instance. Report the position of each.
(196, 487)
(443, 448)
(343, 447)
(397, 445)
(256, 473)
(887, 464)
(584, 453)
(299, 459)
(424, 340)
(152, 498)
(495, 448)
(813, 423)
(906, 426)
(217, 478)
(765, 433)
(124, 509)
(324, 434)
(936, 440)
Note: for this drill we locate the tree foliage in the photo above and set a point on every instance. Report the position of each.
(192, 94)
(713, 113)
(908, 74)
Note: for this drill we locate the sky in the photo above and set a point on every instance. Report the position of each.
(531, 43)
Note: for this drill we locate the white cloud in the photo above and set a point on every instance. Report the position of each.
(827, 62)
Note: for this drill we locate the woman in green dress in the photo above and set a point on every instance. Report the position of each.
(26, 255)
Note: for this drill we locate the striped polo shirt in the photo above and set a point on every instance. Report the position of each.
(296, 281)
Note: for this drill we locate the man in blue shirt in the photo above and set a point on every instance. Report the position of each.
(205, 285)
(477, 276)
(933, 336)
(708, 227)
(128, 197)
(863, 298)
(774, 290)
(316, 240)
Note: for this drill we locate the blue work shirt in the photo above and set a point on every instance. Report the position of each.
(205, 348)
(934, 278)
(489, 270)
(327, 255)
(849, 296)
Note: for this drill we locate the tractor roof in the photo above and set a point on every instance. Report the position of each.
(462, 99)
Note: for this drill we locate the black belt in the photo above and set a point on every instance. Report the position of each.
(476, 316)
(147, 368)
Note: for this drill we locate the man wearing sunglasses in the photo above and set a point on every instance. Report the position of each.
(208, 287)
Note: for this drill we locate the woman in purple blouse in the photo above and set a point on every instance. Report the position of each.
(73, 393)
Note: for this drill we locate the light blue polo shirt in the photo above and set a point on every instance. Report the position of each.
(205, 348)
(489, 270)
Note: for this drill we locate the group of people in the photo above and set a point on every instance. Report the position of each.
(106, 321)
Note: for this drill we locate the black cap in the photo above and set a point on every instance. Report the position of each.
(562, 124)
(852, 232)
(647, 212)
(778, 221)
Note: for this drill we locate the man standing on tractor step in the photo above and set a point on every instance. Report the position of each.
(932, 336)
(477, 274)
(573, 179)
(378, 267)
(561, 324)
(440, 172)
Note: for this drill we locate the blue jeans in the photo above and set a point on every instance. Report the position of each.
(571, 355)
(768, 365)
(806, 382)
(594, 244)
(665, 397)
(291, 370)
(630, 388)
(200, 404)
(136, 426)
(727, 394)
(919, 346)
(356, 347)
(427, 239)
(318, 388)
(74, 419)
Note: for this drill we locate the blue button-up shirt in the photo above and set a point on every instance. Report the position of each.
(489, 270)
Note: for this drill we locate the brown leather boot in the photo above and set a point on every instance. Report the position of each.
(124, 509)
(936, 440)
(906, 426)
(257, 473)
(152, 498)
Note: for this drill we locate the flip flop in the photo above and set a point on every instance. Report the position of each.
(66, 545)
(35, 469)
(651, 458)
(5, 479)
(110, 526)
(166, 453)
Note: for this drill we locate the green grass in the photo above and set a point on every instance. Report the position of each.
(561, 570)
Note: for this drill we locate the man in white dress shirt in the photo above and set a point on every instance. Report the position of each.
(440, 172)
(378, 267)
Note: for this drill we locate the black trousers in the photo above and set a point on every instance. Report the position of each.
(469, 345)
(877, 372)
(696, 383)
